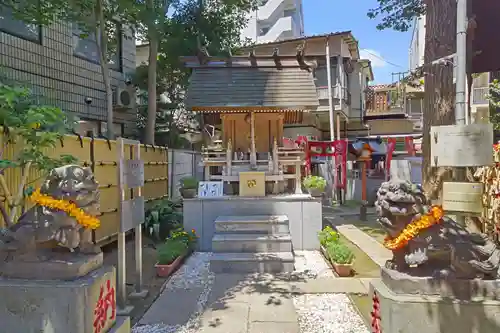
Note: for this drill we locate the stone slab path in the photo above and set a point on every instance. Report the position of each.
(309, 300)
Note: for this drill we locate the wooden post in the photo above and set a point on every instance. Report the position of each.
(253, 153)
(362, 210)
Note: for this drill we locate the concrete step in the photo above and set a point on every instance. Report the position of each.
(267, 224)
(226, 242)
(269, 262)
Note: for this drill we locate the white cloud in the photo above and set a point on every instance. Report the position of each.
(372, 55)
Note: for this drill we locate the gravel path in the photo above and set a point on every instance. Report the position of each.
(327, 313)
(323, 313)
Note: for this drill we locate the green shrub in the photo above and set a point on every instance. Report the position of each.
(327, 236)
(339, 253)
(162, 214)
(314, 182)
(189, 183)
(171, 250)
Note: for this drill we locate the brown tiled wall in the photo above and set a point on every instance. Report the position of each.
(61, 79)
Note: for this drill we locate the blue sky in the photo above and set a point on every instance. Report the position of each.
(388, 50)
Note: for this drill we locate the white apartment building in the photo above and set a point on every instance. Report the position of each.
(480, 84)
(275, 20)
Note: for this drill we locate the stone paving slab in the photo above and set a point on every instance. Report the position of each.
(233, 318)
(273, 327)
(272, 308)
(329, 285)
(174, 307)
(376, 251)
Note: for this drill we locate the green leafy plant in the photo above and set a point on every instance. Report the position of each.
(161, 218)
(494, 99)
(189, 183)
(34, 129)
(314, 182)
(171, 250)
(339, 253)
(327, 236)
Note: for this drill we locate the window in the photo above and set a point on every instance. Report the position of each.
(117, 128)
(263, 31)
(85, 47)
(10, 25)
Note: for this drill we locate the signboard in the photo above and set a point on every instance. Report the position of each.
(132, 214)
(133, 173)
(210, 189)
(461, 145)
(463, 197)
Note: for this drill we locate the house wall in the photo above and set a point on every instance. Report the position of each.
(57, 77)
(390, 126)
(141, 55)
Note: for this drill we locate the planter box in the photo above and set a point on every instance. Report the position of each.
(324, 253)
(167, 270)
(343, 270)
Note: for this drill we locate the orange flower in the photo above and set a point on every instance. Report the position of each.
(193, 231)
(434, 216)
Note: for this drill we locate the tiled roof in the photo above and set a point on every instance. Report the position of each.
(231, 87)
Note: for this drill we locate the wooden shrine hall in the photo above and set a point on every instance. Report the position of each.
(249, 99)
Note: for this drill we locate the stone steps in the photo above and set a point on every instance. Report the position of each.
(267, 224)
(268, 262)
(252, 243)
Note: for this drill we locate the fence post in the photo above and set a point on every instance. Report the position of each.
(172, 173)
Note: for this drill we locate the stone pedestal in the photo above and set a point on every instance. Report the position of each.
(84, 305)
(423, 304)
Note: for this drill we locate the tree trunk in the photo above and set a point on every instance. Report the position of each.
(153, 59)
(102, 48)
(439, 99)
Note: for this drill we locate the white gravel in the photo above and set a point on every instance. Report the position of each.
(323, 313)
(311, 264)
(327, 313)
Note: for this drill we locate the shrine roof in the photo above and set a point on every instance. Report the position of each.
(253, 83)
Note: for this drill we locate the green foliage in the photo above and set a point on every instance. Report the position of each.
(216, 25)
(171, 250)
(314, 182)
(327, 236)
(397, 14)
(494, 99)
(161, 217)
(189, 183)
(38, 127)
(187, 237)
(339, 253)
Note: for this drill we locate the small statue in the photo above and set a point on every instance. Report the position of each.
(64, 215)
(425, 243)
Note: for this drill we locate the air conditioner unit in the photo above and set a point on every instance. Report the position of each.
(125, 98)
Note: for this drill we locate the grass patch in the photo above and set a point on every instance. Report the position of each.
(370, 227)
(364, 267)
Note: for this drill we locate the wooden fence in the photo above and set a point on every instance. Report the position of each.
(101, 155)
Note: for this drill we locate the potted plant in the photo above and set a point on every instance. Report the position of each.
(170, 256)
(325, 237)
(189, 187)
(341, 258)
(315, 185)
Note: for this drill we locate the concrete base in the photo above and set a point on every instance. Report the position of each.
(54, 306)
(56, 265)
(142, 294)
(303, 211)
(410, 310)
(122, 325)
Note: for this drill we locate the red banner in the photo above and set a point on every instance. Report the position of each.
(341, 162)
(391, 145)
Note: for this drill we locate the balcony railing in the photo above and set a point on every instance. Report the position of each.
(337, 92)
(479, 95)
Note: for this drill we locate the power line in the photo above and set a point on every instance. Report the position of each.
(380, 58)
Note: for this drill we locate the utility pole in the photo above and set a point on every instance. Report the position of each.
(461, 63)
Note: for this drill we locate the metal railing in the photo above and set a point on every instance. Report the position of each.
(479, 95)
(337, 92)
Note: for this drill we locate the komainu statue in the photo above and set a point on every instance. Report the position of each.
(64, 214)
(425, 243)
